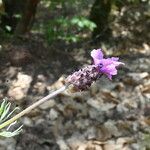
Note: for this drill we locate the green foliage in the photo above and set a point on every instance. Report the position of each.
(5, 114)
(5, 110)
(11, 134)
(67, 3)
(68, 29)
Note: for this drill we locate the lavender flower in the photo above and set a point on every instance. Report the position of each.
(106, 66)
(83, 78)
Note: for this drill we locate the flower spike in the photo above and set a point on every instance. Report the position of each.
(83, 78)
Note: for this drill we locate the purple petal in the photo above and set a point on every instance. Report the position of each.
(109, 61)
(105, 62)
(97, 61)
(97, 54)
(115, 58)
(110, 69)
(107, 66)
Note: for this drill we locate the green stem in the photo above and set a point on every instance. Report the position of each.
(34, 105)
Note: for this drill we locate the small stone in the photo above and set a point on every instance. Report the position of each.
(22, 81)
(89, 146)
(82, 146)
(82, 123)
(27, 122)
(125, 140)
(135, 78)
(120, 87)
(40, 87)
(136, 146)
(41, 78)
(91, 133)
(20, 86)
(76, 140)
(39, 121)
(94, 103)
(94, 89)
(121, 109)
(53, 114)
(112, 128)
(98, 147)
(62, 144)
(97, 115)
(16, 93)
(110, 145)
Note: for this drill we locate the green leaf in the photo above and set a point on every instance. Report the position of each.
(16, 108)
(7, 134)
(5, 111)
(5, 114)
(11, 134)
(2, 106)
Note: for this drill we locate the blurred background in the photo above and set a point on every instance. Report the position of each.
(42, 41)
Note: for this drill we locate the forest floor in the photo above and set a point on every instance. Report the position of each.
(111, 115)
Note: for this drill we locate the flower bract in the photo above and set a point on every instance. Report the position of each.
(107, 66)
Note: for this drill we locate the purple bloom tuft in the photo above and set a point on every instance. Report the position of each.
(83, 78)
(106, 66)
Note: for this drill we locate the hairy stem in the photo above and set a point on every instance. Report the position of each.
(34, 105)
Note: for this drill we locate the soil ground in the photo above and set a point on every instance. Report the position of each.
(110, 115)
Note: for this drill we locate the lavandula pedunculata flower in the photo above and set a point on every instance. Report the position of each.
(83, 78)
